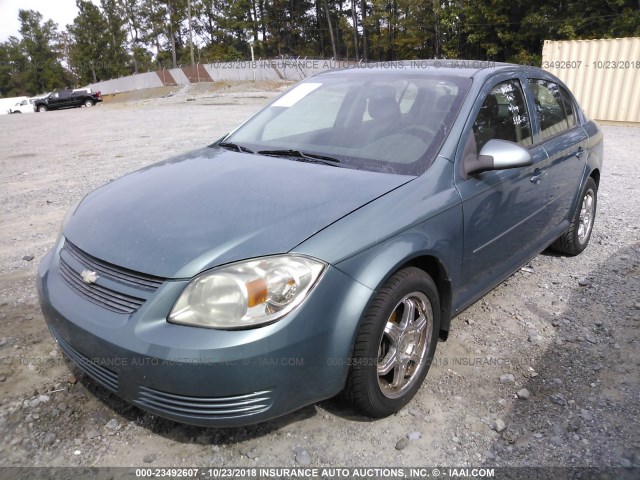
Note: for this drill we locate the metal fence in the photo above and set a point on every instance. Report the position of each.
(604, 75)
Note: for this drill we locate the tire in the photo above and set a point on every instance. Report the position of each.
(42, 108)
(88, 103)
(576, 238)
(391, 360)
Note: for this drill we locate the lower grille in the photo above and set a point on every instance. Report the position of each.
(181, 405)
(100, 374)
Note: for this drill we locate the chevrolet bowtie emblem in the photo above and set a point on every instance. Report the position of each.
(89, 277)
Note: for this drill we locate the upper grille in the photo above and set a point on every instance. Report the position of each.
(73, 261)
(105, 297)
(119, 274)
(182, 405)
(100, 374)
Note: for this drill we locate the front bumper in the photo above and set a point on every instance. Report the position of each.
(202, 376)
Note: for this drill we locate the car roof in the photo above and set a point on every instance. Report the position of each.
(479, 69)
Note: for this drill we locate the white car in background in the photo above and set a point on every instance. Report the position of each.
(24, 106)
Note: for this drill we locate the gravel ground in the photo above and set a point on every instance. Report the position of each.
(541, 371)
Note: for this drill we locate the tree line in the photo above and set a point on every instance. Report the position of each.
(121, 37)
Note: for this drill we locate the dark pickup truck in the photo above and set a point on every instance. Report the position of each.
(67, 99)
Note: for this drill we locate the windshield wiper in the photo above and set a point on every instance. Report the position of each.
(304, 156)
(235, 146)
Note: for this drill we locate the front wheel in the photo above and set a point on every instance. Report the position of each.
(395, 344)
(42, 108)
(576, 238)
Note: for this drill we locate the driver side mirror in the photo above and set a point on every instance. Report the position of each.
(499, 155)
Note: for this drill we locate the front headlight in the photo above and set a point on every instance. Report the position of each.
(247, 294)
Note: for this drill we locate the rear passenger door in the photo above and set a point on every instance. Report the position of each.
(565, 142)
(67, 100)
(63, 99)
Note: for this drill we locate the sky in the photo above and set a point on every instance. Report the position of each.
(60, 11)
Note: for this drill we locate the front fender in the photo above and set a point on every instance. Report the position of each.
(436, 241)
(439, 238)
(419, 220)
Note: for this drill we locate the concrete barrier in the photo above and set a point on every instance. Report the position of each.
(242, 70)
(139, 81)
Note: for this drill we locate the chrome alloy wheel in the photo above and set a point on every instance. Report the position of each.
(404, 344)
(585, 221)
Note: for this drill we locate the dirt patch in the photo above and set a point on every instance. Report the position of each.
(146, 94)
(199, 90)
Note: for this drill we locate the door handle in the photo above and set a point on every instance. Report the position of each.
(536, 178)
(580, 152)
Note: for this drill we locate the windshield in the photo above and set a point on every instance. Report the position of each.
(372, 121)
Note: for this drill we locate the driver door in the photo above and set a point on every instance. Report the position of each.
(503, 209)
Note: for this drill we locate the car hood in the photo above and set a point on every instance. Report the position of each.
(212, 206)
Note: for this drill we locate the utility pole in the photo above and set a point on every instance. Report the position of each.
(173, 39)
(190, 31)
(365, 42)
(354, 18)
(333, 40)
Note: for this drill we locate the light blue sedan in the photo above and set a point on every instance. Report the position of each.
(323, 246)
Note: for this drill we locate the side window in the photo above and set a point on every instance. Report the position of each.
(550, 107)
(503, 116)
(568, 107)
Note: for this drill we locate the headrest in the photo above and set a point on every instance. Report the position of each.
(489, 109)
(382, 103)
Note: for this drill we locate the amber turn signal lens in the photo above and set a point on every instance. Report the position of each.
(256, 292)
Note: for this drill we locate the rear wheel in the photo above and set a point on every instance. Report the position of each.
(395, 344)
(42, 108)
(88, 103)
(576, 238)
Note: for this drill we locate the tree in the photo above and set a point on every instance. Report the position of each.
(89, 34)
(115, 17)
(13, 65)
(42, 70)
(365, 38)
(172, 37)
(354, 20)
(124, 36)
(333, 40)
(136, 21)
